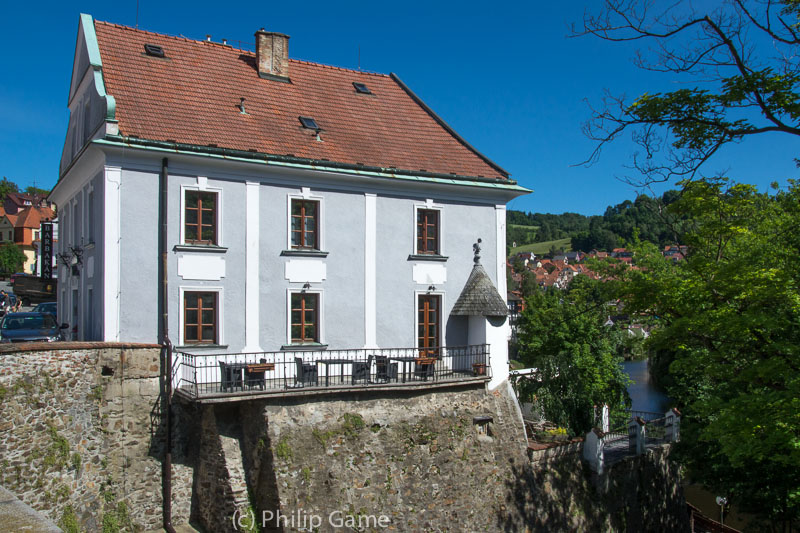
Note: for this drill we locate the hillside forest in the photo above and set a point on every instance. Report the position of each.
(544, 233)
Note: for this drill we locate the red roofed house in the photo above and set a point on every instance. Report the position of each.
(7, 223)
(26, 233)
(15, 201)
(305, 207)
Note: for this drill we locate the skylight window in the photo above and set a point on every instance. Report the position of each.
(361, 88)
(153, 50)
(309, 123)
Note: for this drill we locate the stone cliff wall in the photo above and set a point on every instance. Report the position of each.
(81, 439)
(641, 493)
(419, 460)
(80, 435)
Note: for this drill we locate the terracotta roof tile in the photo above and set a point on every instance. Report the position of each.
(192, 96)
(31, 217)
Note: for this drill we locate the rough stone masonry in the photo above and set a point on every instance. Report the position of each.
(82, 440)
(81, 437)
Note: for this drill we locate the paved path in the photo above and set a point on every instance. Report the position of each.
(15, 516)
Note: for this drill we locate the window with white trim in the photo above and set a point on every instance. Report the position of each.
(90, 218)
(201, 214)
(200, 317)
(200, 217)
(428, 229)
(304, 227)
(305, 222)
(304, 326)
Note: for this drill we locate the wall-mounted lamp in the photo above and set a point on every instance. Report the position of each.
(306, 286)
(431, 288)
(72, 259)
(77, 254)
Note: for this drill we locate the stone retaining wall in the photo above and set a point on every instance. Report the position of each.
(80, 435)
(81, 440)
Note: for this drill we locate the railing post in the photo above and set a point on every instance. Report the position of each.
(672, 425)
(636, 435)
(593, 450)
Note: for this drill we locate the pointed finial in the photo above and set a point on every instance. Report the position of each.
(477, 249)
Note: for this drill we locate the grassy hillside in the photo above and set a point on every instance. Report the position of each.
(541, 248)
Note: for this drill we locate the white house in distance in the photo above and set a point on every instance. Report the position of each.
(305, 206)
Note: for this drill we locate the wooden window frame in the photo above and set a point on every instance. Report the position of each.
(188, 238)
(317, 339)
(423, 239)
(426, 350)
(302, 231)
(197, 295)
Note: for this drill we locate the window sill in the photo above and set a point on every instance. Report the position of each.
(206, 248)
(202, 346)
(427, 257)
(303, 347)
(304, 253)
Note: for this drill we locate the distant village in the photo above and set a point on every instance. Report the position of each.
(21, 217)
(559, 270)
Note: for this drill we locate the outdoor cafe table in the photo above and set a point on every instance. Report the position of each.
(329, 362)
(405, 361)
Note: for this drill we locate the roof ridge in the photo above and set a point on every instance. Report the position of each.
(206, 42)
(170, 36)
(336, 67)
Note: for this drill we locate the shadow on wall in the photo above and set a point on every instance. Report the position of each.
(638, 494)
(456, 331)
(186, 441)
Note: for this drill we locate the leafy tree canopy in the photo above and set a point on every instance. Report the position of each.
(7, 186)
(728, 320)
(11, 258)
(36, 191)
(562, 335)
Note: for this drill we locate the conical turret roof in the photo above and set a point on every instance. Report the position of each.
(480, 296)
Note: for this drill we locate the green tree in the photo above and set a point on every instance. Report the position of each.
(7, 186)
(11, 258)
(562, 335)
(728, 332)
(36, 191)
(739, 55)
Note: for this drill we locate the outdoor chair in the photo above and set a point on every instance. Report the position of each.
(306, 373)
(361, 370)
(384, 370)
(230, 378)
(254, 377)
(424, 368)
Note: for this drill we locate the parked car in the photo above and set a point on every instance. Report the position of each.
(31, 327)
(15, 275)
(33, 289)
(47, 307)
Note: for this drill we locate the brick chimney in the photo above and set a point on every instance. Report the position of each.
(272, 55)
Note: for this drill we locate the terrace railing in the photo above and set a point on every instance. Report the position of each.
(212, 375)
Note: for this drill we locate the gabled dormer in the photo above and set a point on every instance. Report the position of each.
(92, 112)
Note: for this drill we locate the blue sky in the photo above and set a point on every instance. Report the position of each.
(504, 75)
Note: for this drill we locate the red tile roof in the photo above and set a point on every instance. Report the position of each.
(31, 217)
(192, 96)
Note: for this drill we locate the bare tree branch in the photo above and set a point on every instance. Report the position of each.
(725, 51)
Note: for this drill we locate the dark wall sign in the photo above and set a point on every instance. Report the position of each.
(47, 250)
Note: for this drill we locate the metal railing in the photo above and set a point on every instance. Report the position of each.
(618, 423)
(206, 375)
